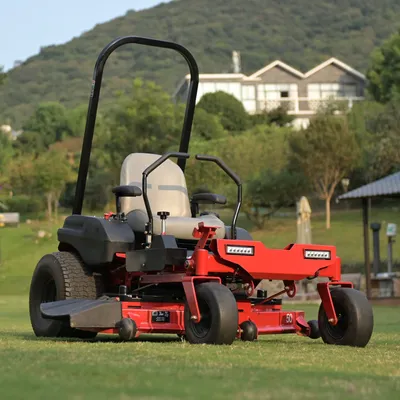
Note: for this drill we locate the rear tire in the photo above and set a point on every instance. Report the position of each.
(219, 316)
(61, 276)
(355, 319)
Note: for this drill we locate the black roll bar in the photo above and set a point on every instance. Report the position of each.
(94, 101)
(235, 178)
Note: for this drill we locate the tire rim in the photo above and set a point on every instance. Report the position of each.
(339, 330)
(201, 329)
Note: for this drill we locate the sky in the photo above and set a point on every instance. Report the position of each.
(26, 25)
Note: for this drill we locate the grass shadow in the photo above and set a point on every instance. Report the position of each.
(101, 338)
(263, 340)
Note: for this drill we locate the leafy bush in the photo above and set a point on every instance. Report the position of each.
(23, 204)
(230, 110)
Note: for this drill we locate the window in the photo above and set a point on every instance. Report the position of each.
(248, 92)
(272, 96)
(235, 89)
(327, 90)
(277, 91)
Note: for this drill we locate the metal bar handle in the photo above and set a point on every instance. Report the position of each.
(235, 178)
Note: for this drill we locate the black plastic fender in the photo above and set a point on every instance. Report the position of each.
(96, 239)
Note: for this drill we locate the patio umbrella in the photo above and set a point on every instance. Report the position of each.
(303, 221)
(304, 231)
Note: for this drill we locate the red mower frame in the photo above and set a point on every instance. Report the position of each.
(205, 293)
(264, 263)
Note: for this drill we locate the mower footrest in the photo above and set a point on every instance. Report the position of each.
(83, 313)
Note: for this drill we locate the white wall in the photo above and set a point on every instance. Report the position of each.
(244, 93)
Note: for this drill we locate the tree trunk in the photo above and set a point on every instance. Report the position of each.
(328, 212)
(56, 207)
(49, 206)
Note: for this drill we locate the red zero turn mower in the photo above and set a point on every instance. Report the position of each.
(156, 266)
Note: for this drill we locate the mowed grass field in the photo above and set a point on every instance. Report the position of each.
(163, 367)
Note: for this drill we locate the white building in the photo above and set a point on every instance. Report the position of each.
(278, 84)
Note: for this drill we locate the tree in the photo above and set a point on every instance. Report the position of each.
(383, 74)
(377, 128)
(2, 75)
(144, 120)
(269, 191)
(98, 191)
(230, 110)
(277, 116)
(207, 126)
(325, 152)
(76, 118)
(383, 148)
(49, 122)
(6, 154)
(29, 143)
(262, 147)
(21, 171)
(52, 172)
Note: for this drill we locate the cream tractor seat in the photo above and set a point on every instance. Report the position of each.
(167, 191)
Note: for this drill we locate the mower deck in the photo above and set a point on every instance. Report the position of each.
(105, 316)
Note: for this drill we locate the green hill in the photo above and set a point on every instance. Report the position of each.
(301, 33)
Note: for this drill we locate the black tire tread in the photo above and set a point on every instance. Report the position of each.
(223, 305)
(78, 281)
(361, 317)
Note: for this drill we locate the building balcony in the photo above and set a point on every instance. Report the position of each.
(306, 105)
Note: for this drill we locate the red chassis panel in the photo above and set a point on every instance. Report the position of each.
(289, 263)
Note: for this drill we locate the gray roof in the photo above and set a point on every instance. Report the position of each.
(388, 186)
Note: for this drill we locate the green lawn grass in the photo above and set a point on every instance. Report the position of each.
(20, 250)
(275, 367)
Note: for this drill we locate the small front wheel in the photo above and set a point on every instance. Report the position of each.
(219, 316)
(314, 329)
(355, 319)
(249, 331)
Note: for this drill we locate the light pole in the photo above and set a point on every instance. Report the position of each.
(345, 185)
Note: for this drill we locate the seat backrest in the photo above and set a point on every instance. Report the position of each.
(166, 186)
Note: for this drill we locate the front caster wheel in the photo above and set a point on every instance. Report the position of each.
(314, 329)
(249, 331)
(127, 329)
(355, 319)
(219, 316)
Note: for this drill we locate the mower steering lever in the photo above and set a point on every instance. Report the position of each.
(235, 178)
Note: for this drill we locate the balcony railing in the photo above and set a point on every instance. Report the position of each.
(306, 105)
